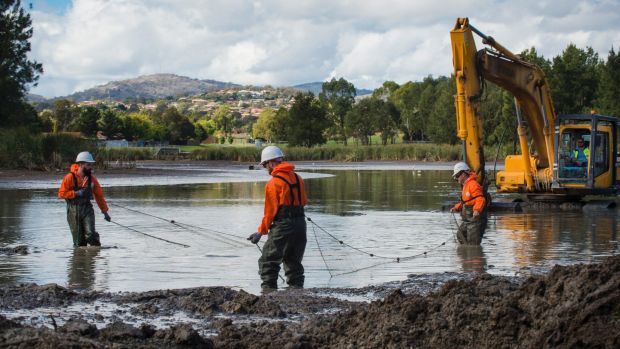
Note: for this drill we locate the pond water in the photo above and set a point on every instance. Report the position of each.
(383, 210)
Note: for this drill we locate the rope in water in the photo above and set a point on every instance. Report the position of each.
(179, 224)
(149, 235)
(393, 259)
(321, 252)
(188, 227)
(388, 259)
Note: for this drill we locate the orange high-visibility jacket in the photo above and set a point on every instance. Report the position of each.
(277, 194)
(472, 194)
(67, 191)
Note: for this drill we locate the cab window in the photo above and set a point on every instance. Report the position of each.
(574, 153)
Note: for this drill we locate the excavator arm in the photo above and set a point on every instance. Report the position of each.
(535, 111)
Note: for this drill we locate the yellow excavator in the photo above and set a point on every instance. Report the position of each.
(563, 157)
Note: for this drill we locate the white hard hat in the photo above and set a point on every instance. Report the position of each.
(269, 153)
(459, 167)
(85, 157)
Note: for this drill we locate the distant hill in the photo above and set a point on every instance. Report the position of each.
(317, 87)
(33, 98)
(150, 86)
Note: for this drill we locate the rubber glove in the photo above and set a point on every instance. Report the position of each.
(80, 192)
(254, 238)
(107, 217)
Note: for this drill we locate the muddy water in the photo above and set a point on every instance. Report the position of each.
(380, 209)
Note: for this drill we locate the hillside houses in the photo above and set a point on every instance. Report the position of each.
(248, 103)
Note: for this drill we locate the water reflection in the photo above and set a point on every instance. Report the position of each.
(382, 190)
(472, 258)
(81, 269)
(559, 236)
(11, 202)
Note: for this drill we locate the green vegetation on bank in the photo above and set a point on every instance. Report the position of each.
(19, 148)
(393, 152)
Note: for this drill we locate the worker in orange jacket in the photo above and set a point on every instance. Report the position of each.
(473, 206)
(78, 187)
(283, 221)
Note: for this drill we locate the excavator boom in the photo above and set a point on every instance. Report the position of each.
(534, 106)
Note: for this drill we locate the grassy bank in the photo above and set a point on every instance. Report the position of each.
(395, 152)
(21, 149)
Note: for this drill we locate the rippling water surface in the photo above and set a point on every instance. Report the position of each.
(384, 210)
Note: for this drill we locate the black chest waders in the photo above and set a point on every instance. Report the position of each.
(81, 216)
(472, 228)
(467, 211)
(286, 242)
(291, 211)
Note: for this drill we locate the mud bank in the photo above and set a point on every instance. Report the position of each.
(571, 306)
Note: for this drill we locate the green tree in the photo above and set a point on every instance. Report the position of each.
(200, 131)
(387, 120)
(306, 121)
(425, 106)
(386, 90)
(406, 98)
(263, 128)
(337, 98)
(278, 127)
(159, 133)
(16, 71)
(441, 126)
(47, 121)
(208, 126)
(110, 124)
(136, 126)
(224, 119)
(361, 120)
(87, 120)
(608, 101)
(574, 80)
(181, 129)
(66, 113)
(533, 57)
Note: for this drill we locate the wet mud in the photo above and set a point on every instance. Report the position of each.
(570, 307)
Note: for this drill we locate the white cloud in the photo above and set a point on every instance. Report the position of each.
(283, 42)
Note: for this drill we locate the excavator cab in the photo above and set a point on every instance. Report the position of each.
(586, 159)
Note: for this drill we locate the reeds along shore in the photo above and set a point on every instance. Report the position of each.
(20, 149)
(411, 152)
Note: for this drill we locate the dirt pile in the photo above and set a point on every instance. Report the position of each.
(28, 296)
(201, 300)
(576, 306)
(573, 307)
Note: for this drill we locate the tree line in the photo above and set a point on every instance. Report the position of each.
(414, 111)
(579, 80)
(164, 123)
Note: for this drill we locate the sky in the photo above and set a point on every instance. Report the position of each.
(84, 43)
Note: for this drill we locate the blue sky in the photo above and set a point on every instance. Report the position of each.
(83, 43)
(57, 6)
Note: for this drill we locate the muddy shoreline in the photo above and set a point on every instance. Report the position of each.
(574, 306)
(143, 168)
(148, 168)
